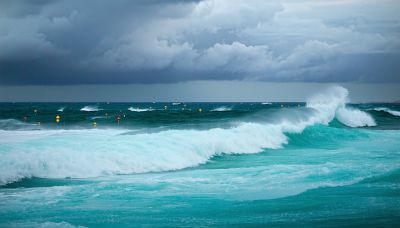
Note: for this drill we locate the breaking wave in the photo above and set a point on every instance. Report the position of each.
(221, 109)
(92, 153)
(332, 104)
(132, 109)
(90, 109)
(387, 110)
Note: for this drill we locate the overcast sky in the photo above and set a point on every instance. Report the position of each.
(50, 43)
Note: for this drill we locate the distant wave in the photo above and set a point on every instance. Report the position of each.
(221, 109)
(387, 110)
(266, 103)
(61, 109)
(90, 109)
(176, 103)
(98, 117)
(111, 151)
(132, 109)
(13, 124)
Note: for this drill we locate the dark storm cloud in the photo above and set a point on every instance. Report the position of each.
(109, 42)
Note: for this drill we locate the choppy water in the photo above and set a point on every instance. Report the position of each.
(320, 163)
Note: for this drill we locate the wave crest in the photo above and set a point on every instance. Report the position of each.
(387, 110)
(89, 108)
(132, 109)
(221, 109)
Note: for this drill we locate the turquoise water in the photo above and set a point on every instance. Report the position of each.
(321, 163)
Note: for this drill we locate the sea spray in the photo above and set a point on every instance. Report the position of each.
(332, 103)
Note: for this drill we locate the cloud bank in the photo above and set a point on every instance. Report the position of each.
(90, 42)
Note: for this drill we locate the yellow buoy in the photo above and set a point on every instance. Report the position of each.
(94, 124)
(58, 118)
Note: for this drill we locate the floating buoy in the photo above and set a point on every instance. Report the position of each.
(165, 107)
(94, 124)
(118, 119)
(58, 118)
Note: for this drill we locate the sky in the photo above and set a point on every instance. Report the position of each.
(166, 49)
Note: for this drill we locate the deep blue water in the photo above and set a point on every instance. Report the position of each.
(321, 163)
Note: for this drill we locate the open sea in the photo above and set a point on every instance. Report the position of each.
(323, 163)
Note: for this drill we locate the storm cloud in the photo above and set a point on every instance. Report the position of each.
(112, 42)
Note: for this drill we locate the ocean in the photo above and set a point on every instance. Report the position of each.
(326, 162)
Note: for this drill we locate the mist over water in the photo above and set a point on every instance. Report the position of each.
(190, 158)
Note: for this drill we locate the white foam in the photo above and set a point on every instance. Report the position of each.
(221, 109)
(132, 109)
(90, 109)
(61, 109)
(266, 103)
(392, 112)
